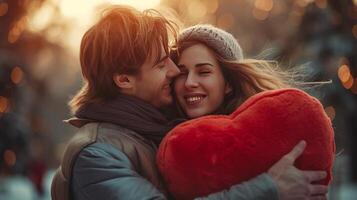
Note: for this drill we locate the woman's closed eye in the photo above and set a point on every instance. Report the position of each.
(204, 72)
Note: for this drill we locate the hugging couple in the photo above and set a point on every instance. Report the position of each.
(132, 74)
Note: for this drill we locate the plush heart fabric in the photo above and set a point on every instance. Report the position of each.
(212, 153)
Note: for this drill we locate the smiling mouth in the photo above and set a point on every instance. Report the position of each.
(194, 100)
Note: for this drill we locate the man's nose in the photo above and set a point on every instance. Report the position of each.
(173, 69)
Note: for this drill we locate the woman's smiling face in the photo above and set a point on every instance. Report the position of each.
(201, 87)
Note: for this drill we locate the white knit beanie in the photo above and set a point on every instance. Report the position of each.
(219, 40)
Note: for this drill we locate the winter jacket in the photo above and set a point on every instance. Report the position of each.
(107, 161)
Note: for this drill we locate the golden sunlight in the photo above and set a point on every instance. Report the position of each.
(78, 16)
(84, 7)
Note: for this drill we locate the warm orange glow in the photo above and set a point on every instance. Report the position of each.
(80, 14)
(69, 8)
(355, 2)
(260, 14)
(225, 21)
(4, 103)
(9, 157)
(354, 30)
(212, 6)
(17, 30)
(321, 3)
(265, 5)
(13, 36)
(196, 9)
(279, 8)
(331, 113)
(41, 19)
(344, 73)
(301, 3)
(16, 75)
(3, 9)
(348, 84)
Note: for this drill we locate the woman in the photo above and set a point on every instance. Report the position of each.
(215, 78)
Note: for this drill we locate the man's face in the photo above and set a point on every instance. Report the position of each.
(152, 84)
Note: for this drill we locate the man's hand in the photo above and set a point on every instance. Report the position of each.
(294, 184)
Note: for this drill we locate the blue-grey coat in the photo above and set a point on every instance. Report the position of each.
(106, 161)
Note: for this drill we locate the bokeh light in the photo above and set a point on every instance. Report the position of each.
(42, 18)
(17, 29)
(331, 113)
(16, 75)
(344, 73)
(345, 76)
(9, 157)
(348, 84)
(4, 103)
(260, 14)
(196, 9)
(13, 35)
(265, 5)
(3, 8)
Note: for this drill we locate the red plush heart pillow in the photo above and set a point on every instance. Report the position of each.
(212, 153)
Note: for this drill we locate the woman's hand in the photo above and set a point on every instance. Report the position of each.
(294, 184)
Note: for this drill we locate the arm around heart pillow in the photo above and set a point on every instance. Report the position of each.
(212, 153)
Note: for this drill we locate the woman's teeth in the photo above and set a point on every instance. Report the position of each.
(193, 100)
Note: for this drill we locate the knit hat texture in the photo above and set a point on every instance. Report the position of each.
(219, 40)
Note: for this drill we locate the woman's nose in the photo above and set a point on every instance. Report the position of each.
(191, 81)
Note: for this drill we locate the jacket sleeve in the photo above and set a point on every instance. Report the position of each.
(261, 187)
(104, 172)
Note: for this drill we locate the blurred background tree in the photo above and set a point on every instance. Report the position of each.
(32, 74)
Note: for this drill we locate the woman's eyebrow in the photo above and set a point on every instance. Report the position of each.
(203, 64)
(196, 65)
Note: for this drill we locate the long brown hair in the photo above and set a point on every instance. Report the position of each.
(120, 42)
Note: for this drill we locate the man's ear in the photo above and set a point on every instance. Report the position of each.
(124, 81)
(227, 88)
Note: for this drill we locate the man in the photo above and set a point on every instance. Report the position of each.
(127, 74)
